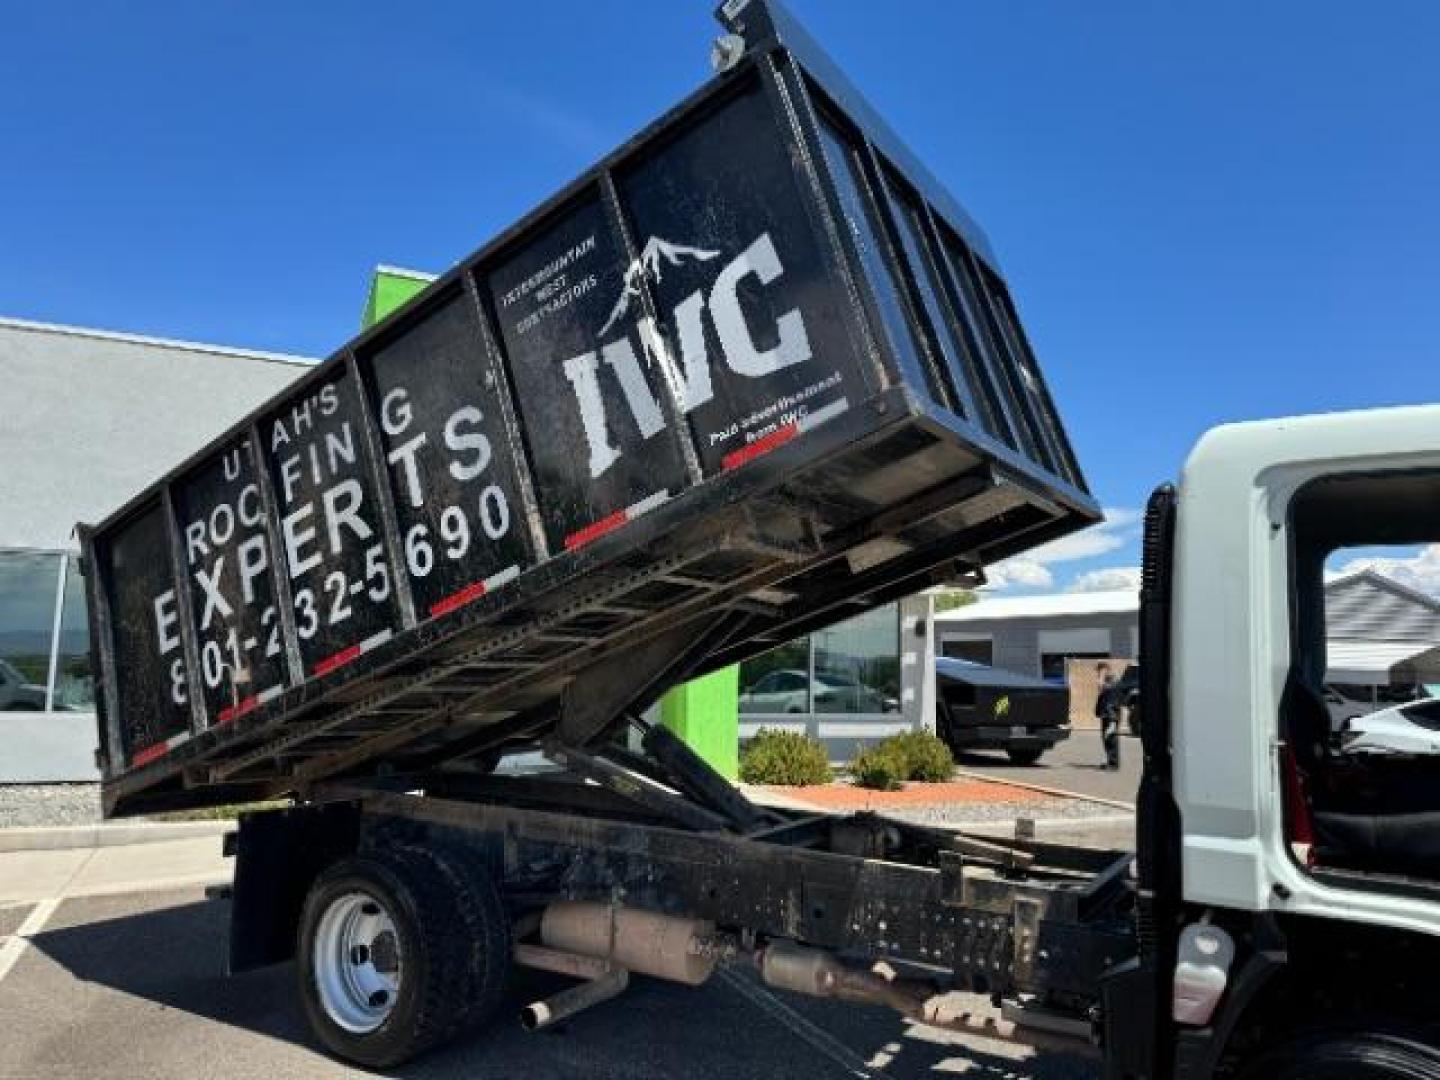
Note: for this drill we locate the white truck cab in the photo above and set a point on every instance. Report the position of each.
(1312, 872)
(1261, 507)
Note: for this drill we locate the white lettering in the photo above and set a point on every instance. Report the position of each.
(405, 454)
(214, 599)
(290, 476)
(620, 355)
(460, 441)
(337, 515)
(195, 541)
(739, 347)
(395, 412)
(166, 619)
(296, 538)
(253, 563)
(581, 371)
(249, 505)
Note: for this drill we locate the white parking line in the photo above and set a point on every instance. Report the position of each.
(14, 948)
(819, 1039)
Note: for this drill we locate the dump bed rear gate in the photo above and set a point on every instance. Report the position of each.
(754, 372)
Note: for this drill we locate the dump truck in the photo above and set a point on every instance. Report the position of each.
(754, 372)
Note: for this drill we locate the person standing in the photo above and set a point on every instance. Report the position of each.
(1107, 709)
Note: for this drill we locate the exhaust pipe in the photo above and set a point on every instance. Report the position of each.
(541, 1014)
(785, 965)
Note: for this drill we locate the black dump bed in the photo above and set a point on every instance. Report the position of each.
(753, 373)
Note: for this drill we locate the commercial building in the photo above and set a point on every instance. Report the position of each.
(92, 417)
(1380, 633)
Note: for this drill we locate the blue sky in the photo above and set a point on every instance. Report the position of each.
(1206, 212)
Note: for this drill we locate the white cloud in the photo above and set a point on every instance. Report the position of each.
(1031, 570)
(1113, 577)
(1419, 571)
(1021, 572)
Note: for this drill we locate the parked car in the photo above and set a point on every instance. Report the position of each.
(984, 708)
(1408, 730)
(17, 695)
(785, 691)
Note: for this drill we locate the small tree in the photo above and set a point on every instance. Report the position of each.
(951, 599)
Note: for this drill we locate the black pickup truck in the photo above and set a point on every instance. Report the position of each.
(983, 708)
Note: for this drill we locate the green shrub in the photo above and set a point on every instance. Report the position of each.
(926, 757)
(878, 767)
(784, 757)
(915, 755)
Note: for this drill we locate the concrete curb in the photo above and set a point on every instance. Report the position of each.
(1060, 792)
(61, 837)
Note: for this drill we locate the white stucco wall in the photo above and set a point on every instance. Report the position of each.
(88, 419)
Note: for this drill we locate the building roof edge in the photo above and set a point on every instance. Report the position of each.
(9, 323)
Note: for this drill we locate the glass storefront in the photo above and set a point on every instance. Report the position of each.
(852, 668)
(44, 636)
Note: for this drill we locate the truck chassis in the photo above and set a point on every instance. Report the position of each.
(1032, 925)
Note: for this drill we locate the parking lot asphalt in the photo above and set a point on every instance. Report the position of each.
(1073, 765)
(134, 986)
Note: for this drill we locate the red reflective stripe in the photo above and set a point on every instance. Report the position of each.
(458, 599)
(149, 754)
(240, 708)
(1297, 807)
(760, 446)
(597, 530)
(339, 659)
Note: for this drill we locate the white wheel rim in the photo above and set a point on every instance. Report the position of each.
(357, 962)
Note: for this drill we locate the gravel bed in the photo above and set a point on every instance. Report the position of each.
(49, 804)
(976, 813)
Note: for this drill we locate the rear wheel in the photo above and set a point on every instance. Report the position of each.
(398, 951)
(1023, 756)
(1347, 1056)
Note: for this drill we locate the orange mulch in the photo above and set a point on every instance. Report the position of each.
(850, 797)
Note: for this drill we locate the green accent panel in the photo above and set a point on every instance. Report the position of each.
(705, 714)
(389, 291)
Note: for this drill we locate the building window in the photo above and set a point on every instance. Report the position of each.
(777, 682)
(74, 686)
(977, 652)
(852, 668)
(857, 664)
(28, 585)
(44, 637)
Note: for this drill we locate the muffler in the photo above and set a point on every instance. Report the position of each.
(785, 965)
(602, 944)
(645, 942)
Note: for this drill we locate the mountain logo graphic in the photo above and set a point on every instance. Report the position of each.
(651, 263)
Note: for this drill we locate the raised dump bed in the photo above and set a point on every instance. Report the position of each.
(753, 373)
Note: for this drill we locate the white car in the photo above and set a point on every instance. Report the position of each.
(1411, 729)
(785, 691)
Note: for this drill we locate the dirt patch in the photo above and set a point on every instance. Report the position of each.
(849, 797)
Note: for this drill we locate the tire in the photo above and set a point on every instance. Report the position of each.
(1028, 756)
(444, 939)
(1347, 1056)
